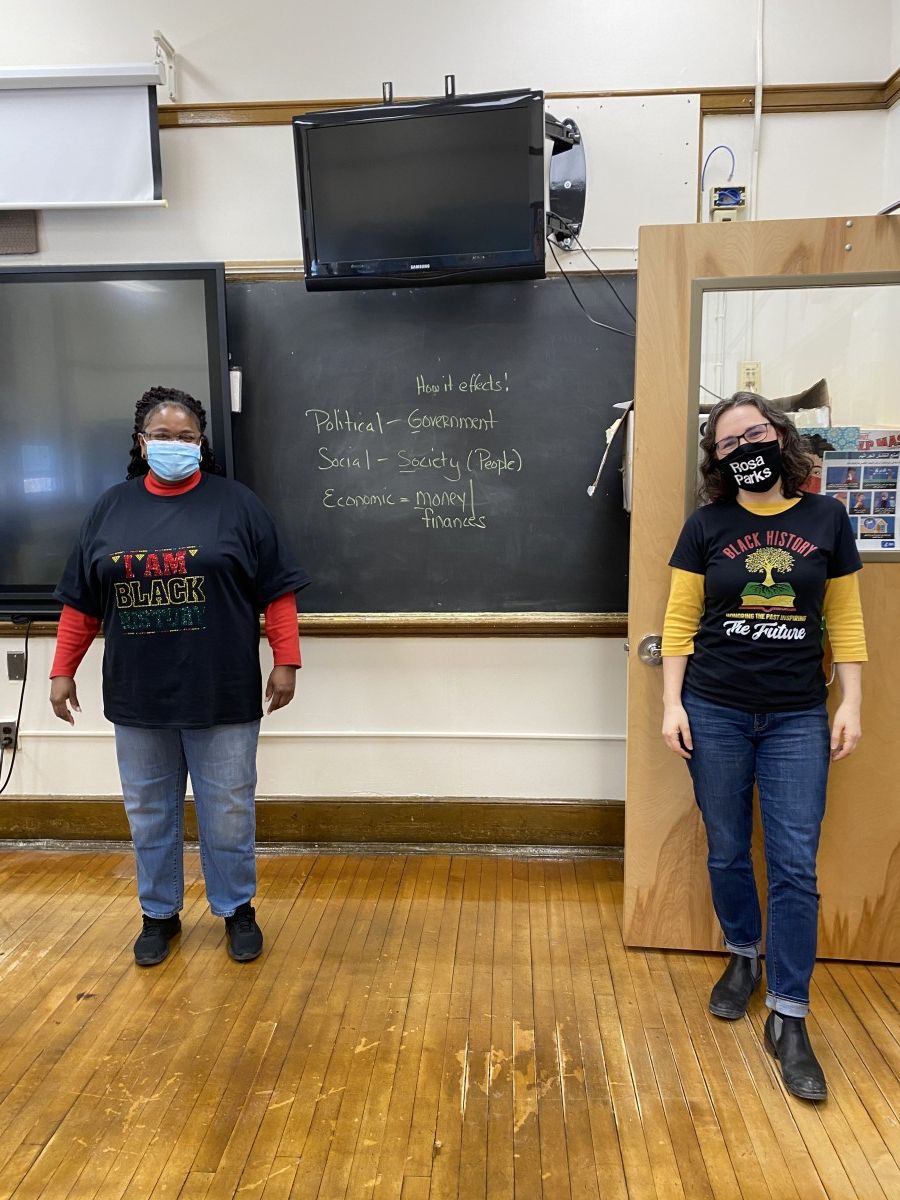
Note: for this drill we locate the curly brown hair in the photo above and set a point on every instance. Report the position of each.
(796, 462)
(164, 397)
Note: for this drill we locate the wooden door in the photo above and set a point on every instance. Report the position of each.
(667, 901)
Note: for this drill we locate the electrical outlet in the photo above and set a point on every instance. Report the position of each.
(15, 665)
(749, 377)
(8, 733)
(728, 203)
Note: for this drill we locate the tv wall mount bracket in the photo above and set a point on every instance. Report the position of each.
(387, 89)
(568, 181)
(568, 174)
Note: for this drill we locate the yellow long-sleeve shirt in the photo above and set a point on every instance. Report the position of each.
(841, 609)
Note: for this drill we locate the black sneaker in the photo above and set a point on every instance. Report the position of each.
(245, 939)
(152, 945)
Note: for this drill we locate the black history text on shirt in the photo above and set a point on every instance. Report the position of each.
(198, 568)
(157, 592)
(759, 645)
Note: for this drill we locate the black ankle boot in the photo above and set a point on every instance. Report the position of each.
(800, 1070)
(731, 995)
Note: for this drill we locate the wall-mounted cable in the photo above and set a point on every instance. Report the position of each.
(721, 146)
(593, 320)
(15, 748)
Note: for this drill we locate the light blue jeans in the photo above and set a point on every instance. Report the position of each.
(154, 765)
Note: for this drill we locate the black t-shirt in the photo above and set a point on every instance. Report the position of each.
(179, 583)
(759, 645)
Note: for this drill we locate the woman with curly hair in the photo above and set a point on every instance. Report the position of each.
(175, 565)
(758, 571)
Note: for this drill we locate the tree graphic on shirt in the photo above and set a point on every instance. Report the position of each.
(764, 562)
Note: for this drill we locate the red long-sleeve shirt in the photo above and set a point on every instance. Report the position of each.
(77, 630)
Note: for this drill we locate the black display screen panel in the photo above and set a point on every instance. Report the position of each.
(77, 350)
(422, 176)
(423, 189)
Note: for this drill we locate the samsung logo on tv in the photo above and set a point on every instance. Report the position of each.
(420, 266)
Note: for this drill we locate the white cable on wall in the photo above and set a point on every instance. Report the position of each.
(754, 159)
(757, 110)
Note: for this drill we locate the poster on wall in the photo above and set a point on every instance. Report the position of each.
(865, 482)
(817, 442)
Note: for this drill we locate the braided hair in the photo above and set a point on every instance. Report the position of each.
(163, 397)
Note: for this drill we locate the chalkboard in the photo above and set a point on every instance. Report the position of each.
(429, 450)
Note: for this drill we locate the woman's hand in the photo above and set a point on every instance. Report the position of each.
(280, 688)
(845, 731)
(62, 694)
(676, 730)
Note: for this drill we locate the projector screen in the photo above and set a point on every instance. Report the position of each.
(79, 146)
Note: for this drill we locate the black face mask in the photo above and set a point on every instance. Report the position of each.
(754, 466)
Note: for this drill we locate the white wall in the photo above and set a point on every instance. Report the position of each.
(282, 49)
(525, 717)
(810, 164)
(891, 191)
(641, 159)
(848, 336)
(460, 716)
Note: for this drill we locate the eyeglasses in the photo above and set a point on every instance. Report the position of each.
(756, 433)
(189, 438)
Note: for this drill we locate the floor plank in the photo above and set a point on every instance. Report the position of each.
(418, 1028)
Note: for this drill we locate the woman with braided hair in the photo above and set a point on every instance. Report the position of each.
(154, 398)
(175, 565)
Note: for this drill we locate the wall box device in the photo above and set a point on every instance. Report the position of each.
(79, 347)
(728, 203)
(435, 191)
(749, 377)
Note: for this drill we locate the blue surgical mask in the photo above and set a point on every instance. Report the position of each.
(173, 461)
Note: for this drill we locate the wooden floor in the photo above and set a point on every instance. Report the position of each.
(418, 1027)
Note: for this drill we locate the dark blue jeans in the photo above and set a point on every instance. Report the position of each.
(788, 755)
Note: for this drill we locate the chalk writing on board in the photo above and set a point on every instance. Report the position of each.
(385, 499)
(463, 500)
(377, 540)
(333, 420)
(476, 382)
(500, 462)
(350, 461)
(417, 420)
(369, 443)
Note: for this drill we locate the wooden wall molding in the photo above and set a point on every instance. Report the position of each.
(777, 98)
(487, 624)
(800, 98)
(303, 820)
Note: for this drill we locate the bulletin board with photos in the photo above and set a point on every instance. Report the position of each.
(860, 467)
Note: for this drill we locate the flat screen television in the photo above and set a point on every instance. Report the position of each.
(78, 348)
(432, 191)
